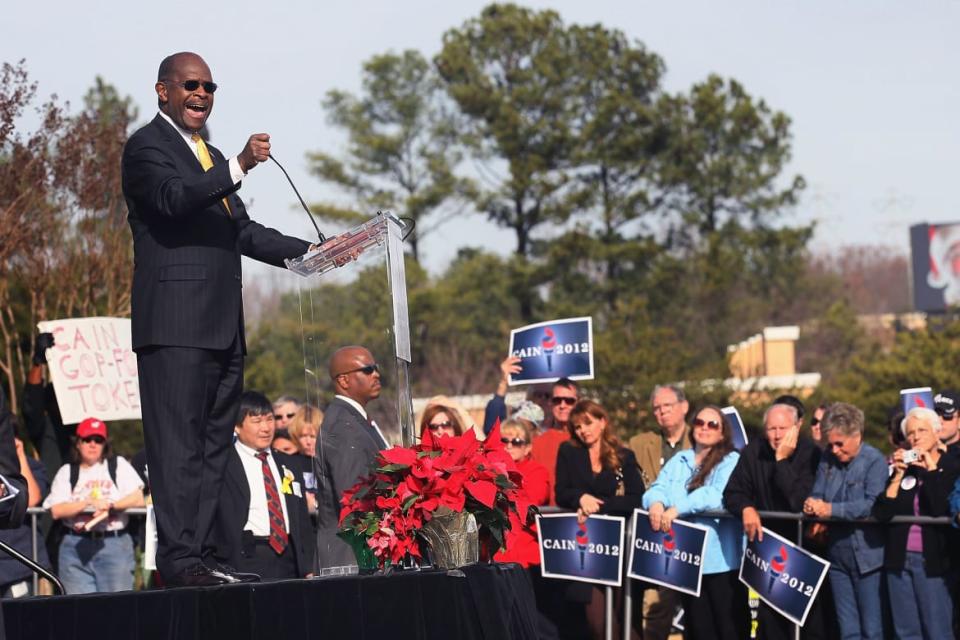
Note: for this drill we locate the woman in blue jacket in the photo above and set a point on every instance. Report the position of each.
(693, 482)
(851, 476)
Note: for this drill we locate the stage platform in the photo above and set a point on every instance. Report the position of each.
(492, 602)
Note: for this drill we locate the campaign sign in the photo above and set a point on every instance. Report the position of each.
(785, 576)
(93, 369)
(552, 350)
(588, 552)
(673, 559)
(739, 432)
(921, 397)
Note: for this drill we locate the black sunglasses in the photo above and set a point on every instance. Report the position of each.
(710, 424)
(193, 85)
(517, 442)
(558, 400)
(814, 422)
(280, 416)
(440, 425)
(95, 439)
(368, 370)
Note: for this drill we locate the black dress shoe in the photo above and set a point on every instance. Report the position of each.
(200, 575)
(227, 571)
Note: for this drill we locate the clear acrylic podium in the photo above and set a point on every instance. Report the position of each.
(384, 231)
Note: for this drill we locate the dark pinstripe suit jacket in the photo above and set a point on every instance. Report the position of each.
(345, 449)
(186, 277)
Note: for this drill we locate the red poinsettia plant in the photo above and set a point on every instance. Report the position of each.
(385, 511)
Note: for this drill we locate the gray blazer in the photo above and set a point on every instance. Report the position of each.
(346, 448)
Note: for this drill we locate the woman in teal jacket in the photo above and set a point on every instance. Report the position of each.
(693, 482)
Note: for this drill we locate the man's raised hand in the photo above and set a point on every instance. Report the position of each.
(256, 150)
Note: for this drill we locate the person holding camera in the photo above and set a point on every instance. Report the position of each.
(916, 557)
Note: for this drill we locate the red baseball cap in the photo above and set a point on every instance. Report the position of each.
(92, 427)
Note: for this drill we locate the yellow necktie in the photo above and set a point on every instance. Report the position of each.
(206, 161)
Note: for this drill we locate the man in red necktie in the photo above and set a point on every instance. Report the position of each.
(262, 524)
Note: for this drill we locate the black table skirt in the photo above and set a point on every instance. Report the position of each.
(492, 602)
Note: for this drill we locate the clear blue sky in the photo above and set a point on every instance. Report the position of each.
(871, 86)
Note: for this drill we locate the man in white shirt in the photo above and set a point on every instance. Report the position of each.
(262, 525)
(347, 445)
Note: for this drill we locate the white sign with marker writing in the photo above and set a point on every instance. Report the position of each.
(93, 368)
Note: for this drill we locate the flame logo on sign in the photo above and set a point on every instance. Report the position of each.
(918, 400)
(549, 343)
(777, 564)
(582, 541)
(669, 544)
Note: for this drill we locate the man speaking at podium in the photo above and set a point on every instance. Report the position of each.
(189, 231)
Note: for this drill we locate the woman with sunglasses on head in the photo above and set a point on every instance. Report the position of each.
(690, 483)
(596, 474)
(89, 496)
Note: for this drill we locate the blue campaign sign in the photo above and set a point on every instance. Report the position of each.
(591, 552)
(784, 575)
(673, 559)
(919, 397)
(739, 432)
(552, 350)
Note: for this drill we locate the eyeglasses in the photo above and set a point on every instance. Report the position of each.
(666, 406)
(516, 442)
(710, 424)
(433, 426)
(814, 422)
(281, 416)
(558, 400)
(367, 370)
(193, 85)
(94, 439)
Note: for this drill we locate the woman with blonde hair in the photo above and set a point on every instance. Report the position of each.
(303, 430)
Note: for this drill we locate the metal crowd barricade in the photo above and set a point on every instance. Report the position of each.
(800, 518)
(34, 513)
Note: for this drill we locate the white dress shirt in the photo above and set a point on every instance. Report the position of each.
(258, 517)
(236, 173)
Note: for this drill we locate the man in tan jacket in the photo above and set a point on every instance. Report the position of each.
(653, 449)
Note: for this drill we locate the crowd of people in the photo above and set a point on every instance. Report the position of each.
(277, 515)
(885, 580)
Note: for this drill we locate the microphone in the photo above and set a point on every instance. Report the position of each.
(302, 203)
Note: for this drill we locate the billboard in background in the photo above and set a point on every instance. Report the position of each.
(935, 261)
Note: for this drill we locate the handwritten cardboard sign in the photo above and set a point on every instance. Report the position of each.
(93, 368)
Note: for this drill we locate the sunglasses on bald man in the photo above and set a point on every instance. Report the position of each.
(367, 370)
(193, 85)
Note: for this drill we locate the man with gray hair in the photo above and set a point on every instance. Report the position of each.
(774, 473)
(653, 450)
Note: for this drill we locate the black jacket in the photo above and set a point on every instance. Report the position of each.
(575, 477)
(759, 481)
(934, 489)
(346, 449)
(187, 247)
(234, 507)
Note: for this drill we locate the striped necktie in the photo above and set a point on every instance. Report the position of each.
(278, 532)
(206, 161)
